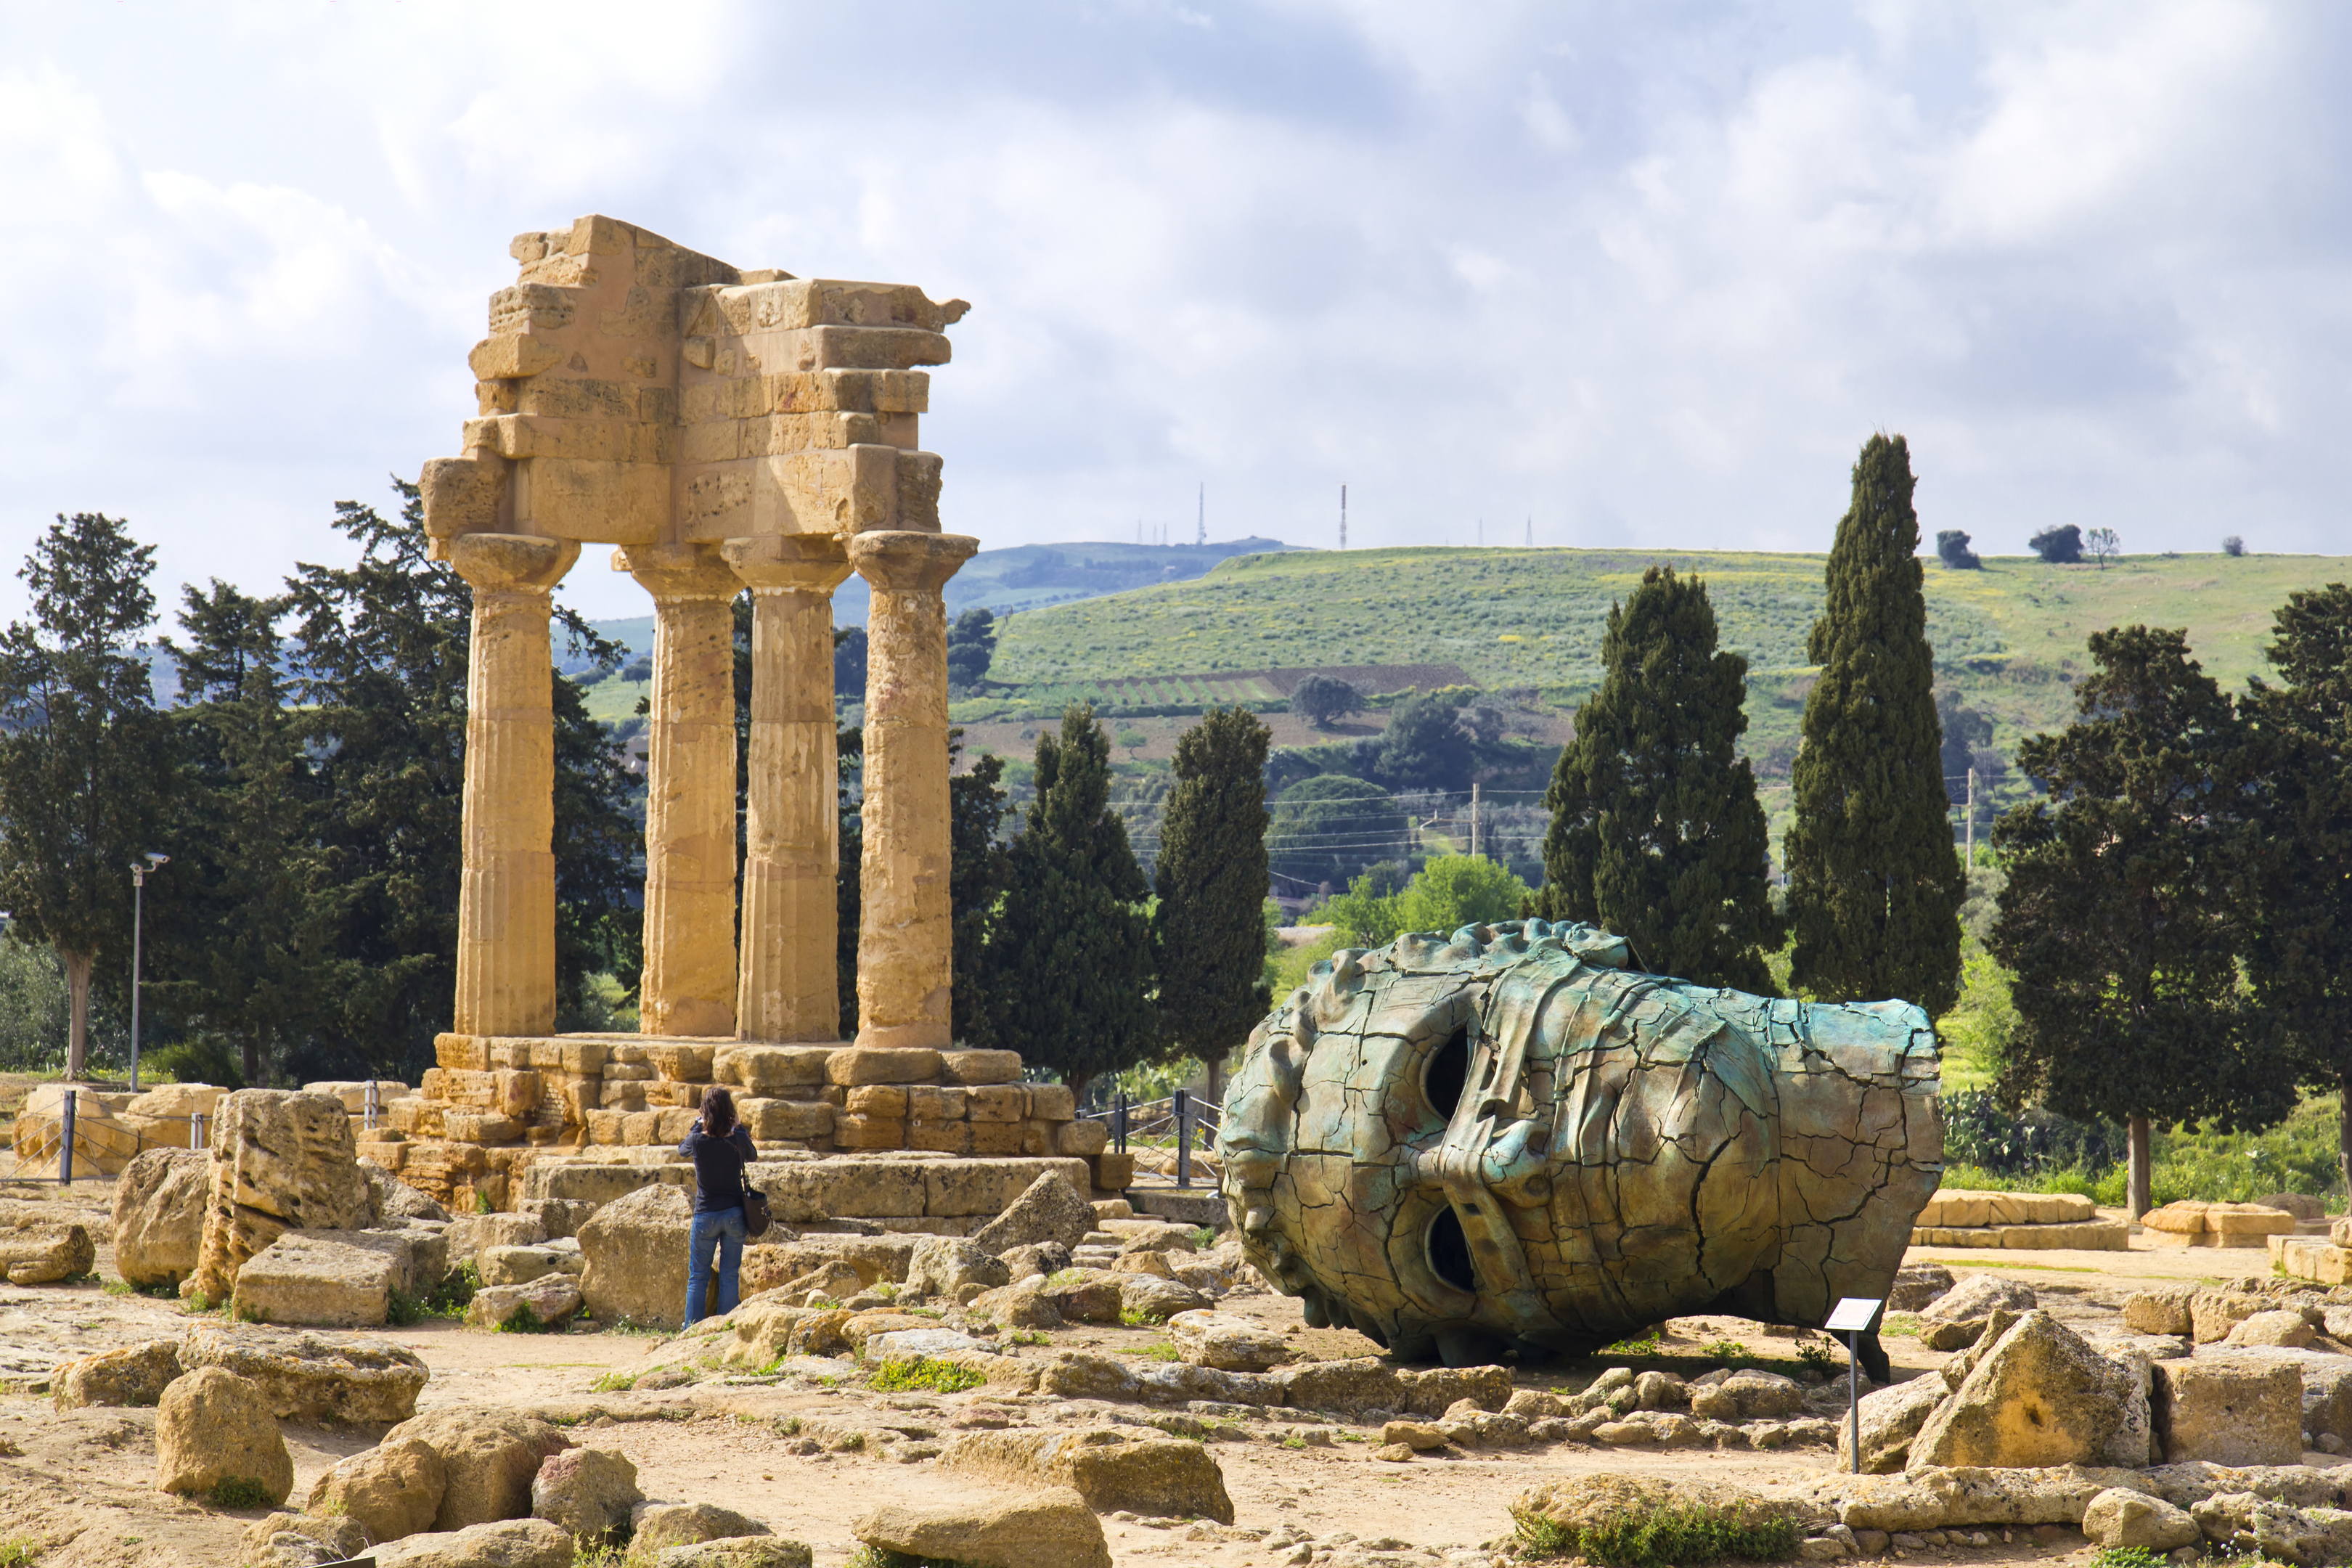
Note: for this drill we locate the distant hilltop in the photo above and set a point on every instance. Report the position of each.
(1023, 577)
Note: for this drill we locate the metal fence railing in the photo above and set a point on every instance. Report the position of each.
(57, 1142)
(1178, 1126)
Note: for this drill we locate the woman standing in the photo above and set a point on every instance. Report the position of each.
(720, 1149)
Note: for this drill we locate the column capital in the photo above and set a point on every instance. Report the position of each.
(811, 563)
(511, 563)
(678, 571)
(904, 560)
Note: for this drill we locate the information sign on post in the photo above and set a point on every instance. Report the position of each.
(1853, 1318)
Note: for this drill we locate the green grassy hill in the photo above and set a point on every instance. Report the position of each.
(2009, 636)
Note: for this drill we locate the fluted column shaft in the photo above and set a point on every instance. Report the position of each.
(689, 986)
(506, 892)
(905, 938)
(789, 976)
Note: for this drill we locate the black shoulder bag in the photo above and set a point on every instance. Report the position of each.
(756, 1216)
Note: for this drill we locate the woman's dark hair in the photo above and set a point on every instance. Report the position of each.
(718, 1111)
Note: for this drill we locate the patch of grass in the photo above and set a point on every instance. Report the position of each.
(909, 1374)
(1646, 1345)
(2126, 1557)
(1161, 1352)
(18, 1552)
(1205, 1236)
(628, 1325)
(1294, 1441)
(1731, 1351)
(119, 1288)
(88, 1277)
(239, 1492)
(482, 1203)
(447, 1300)
(1064, 1276)
(1820, 1355)
(614, 1383)
(1026, 1337)
(1135, 1318)
(876, 1557)
(523, 1320)
(1901, 1325)
(1671, 1535)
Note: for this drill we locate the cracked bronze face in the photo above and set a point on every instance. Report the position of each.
(1505, 1140)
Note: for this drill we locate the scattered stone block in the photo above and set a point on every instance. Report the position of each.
(392, 1489)
(490, 1458)
(212, 1429)
(45, 1254)
(506, 1543)
(1051, 1209)
(2228, 1410)
(2120, 1516)
(300, 1539)
(2279, 1327)
(1977, 1295)
(656, 1526)
(552, 1298)
(1916, 1284)
(280, 1162)
(589, 1492)
(940, 1266)
(1160, 1476)
(311, 1281)
(1227, 1342)
(1021, 1529)
(2189, 1223)
(1891, 1419)
(133, 1376)
(635, 1248)
(2159, 1311)
(2039, 1396)
(314, 1378)
(521, 1265)
(159, 1215)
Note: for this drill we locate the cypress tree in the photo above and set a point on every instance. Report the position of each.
(1210, 925)
(1657, 833)
(85, 758)
(2123, 914)
(236, 929)
(2301, 957)
(1078, 957)
(977, 869)
(1875, 885)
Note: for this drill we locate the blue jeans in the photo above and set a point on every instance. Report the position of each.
(722, 1231)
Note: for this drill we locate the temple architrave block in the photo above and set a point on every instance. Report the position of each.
(722, 431)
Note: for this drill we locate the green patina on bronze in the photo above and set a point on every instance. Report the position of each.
(1621, 1147)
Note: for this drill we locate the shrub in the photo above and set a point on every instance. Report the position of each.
(614, 1383)
(239, 1492)
(1654, 1536)
(2231, 546)
(911, 1375)
(1952, 549)
(2060, 546)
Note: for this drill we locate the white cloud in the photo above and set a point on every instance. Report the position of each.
(1652, 275)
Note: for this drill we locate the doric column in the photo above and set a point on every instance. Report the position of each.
(689, 987)
(789, 985)
(904, 955)
(506, 896)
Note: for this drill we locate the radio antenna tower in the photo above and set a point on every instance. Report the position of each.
(1343, 517)
(1202, 537)
(1532, 531)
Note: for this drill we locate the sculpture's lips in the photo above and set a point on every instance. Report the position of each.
(1505, 1138)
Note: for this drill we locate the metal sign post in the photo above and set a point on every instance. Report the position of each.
(1183, 1139)
(1854, 1318)
(65, 1141)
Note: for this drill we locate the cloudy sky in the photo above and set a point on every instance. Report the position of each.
(1644, 273)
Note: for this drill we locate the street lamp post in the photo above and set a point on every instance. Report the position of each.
(138, 920)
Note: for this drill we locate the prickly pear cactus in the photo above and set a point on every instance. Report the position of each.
(1505, 1140)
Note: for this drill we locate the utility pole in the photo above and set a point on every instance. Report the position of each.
(1473, 822)
(1532, 531)
(1343, 517)
(1973, 819)
(138, 923)
(1202, 536)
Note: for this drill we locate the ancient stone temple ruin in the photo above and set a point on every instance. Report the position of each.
(722, 430)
